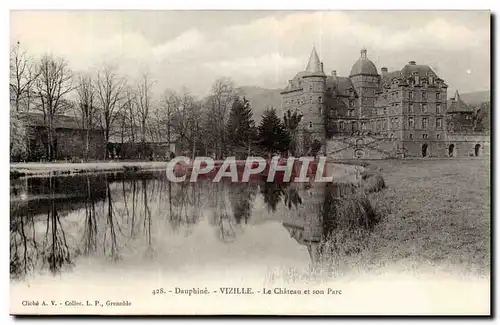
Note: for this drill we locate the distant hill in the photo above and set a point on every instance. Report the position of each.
(475, 98)
(260, 99)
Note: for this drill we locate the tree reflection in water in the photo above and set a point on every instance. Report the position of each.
(273, 193)
(223, 220)
(114, 215)
(23, 246)
(242, 196)
(54, 251)
(90, 228)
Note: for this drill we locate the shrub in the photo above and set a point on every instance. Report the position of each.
(373, 183)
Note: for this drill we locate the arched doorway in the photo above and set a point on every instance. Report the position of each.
(451, 150)
(424, 150)
(476, 149)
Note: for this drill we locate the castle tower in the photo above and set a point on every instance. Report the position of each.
(365, 79)
(312, 125)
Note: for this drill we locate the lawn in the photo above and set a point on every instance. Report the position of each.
(435, 217)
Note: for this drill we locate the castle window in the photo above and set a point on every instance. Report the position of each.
(353, 125)
(410, 95)
(438, 136)
(311, 99)
(363, 126)
(310, 125)
(425, 136)
(438, 108)
(320, 99)
(351, 103)
(385, 111)
(411, 122)
(349, 112)
(438, 96)
(310, 87)
(341, 125)
(424, 96)
(424, 108)
(439, 123)
(424, 123)
(320, 110)
(410, 108)
(411, 136)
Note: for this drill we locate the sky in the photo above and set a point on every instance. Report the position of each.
(191, 49)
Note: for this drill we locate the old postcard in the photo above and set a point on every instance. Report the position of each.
(250, 162)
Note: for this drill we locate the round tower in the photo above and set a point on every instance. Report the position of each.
(312, 125)
(365, 78)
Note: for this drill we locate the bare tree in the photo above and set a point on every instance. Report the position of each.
(219, 103)
(86, 107)
(185, 121)
(109, 87)
(144, 103)
(54, 82)
(23, 74)
(169, 106)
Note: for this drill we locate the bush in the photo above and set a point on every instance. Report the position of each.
(373, 183)
(349, 217)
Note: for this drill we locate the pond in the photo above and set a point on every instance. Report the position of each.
(87, 225)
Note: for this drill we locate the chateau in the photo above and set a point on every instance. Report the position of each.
(403, 113)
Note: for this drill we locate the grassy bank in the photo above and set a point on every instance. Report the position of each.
(435, 217)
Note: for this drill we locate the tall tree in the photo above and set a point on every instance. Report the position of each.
(54, 82)
(241, 130)
(291, 121)
(219, 103)
(18, 137)
(186, 121)
(109, 87)
(23, 74)
(273, 134)
(144, 103)
(86, 108)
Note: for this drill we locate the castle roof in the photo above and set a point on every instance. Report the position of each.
(419, 69)
(456, 105)
(363, 66)
(340, 84)
(314, 65)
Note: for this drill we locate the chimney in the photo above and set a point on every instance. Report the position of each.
(412, 63)
(334, 73)
(322, 67)
(363, 53)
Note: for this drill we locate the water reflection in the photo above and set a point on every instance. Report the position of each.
(114, 217)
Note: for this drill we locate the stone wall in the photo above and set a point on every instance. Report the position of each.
(362, 147)
(71, 143)
(464, 145)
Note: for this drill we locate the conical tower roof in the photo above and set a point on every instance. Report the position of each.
(314, 64)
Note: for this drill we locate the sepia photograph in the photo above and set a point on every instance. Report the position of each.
(250, 162)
